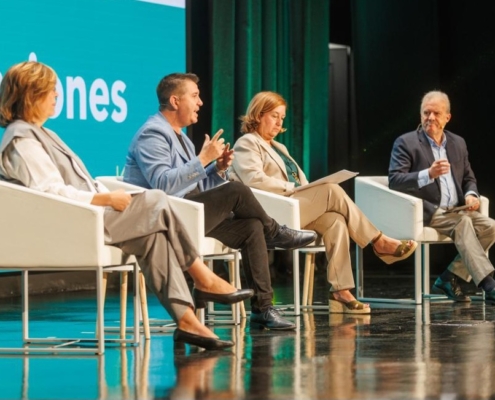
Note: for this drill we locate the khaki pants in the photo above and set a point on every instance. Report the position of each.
(473, 234)
(149, 229)
(329, 211)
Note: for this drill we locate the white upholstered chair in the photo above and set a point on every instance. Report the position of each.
(44, 232)
(400, 216)
(192, 216)
(285, 211)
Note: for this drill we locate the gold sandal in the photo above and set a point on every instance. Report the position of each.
(403, 251)
(351, 307)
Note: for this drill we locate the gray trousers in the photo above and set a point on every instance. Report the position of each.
(150, 229)
(328, 210)
(473, 234)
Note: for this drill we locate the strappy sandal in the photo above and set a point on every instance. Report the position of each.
(351, 307)
(404, 250)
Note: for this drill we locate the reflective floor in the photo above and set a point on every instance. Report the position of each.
(441, 350)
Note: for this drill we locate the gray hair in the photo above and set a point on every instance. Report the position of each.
(435, 94)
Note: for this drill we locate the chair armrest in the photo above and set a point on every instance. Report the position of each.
(192, 215)
(115, 183)
(190, 212)
(484, 206)
(284, 210)
(46, 230)
(397, 214)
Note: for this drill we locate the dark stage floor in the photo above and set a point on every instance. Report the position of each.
(440, 350)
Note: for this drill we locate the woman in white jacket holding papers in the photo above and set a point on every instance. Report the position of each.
(263, 163)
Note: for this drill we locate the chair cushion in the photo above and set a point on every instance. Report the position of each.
(432, 235)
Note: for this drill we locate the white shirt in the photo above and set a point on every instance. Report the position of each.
(30, 164)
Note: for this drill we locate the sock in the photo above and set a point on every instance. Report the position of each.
(487, 284)
(447, 275)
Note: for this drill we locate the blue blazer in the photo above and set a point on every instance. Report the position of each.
(412, 153)
(157, 160)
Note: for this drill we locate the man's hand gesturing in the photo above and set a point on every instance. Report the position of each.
(225, 160)
(212, 148)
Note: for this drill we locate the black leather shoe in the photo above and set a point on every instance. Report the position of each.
(200, 297)
(271, 319)
(288, 239)
(207, 343)
(451, 289)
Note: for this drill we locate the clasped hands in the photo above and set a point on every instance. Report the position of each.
(442, 167)
(119, 200)
(473, 201)
(216, 149)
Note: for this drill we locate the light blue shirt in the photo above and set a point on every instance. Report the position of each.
(447, 185)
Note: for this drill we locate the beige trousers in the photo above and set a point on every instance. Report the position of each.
(150, 229)
(473, 234)
(329, 211)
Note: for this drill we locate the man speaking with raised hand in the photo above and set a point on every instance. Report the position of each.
(162, 157)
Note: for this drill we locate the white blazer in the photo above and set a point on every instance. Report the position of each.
(257, 164)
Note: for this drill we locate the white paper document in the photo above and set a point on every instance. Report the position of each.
(337, 177)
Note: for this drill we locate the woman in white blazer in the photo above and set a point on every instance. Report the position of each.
(263, 163)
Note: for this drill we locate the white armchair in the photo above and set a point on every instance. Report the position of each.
(285, 211)
(44, 232)
(192, 216)
(400, 216)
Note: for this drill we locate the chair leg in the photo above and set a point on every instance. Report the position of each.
(359, 276)
(200, 315)
(307, 267)
(123, 302)
(236, 282)
(312, 258)
(306, 281)
(104, 293)
(210, 306)
(231, 264)
(144, 306)
(295, 281)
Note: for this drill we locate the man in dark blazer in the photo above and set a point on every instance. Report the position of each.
(432, 163)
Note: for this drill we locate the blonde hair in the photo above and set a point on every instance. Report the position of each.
(22, 88)
(260, 104)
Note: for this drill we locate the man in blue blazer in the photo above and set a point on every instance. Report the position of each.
(432, 163)
(162, 157)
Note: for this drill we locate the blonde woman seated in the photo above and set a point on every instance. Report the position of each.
(144, 224)
(263, 163)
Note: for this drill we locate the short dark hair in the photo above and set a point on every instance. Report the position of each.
(172, 84)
